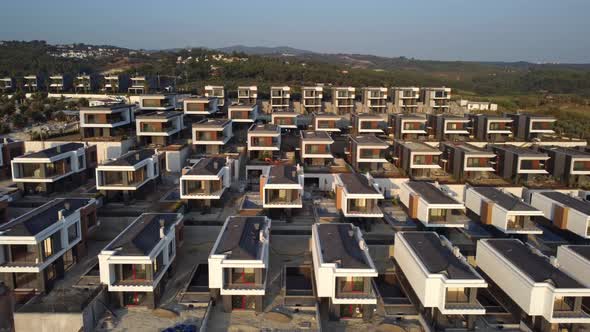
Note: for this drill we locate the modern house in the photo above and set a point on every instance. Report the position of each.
(491, 128)
(374, 99)
(202, 106)
(57, 169)
(157, 103)
(280, 98)
(264, 141)
(343, 271)
(529, 126)
(367, 152)
(242, 113)
(437, 98)
(127, 177)
(284, 119)
(141, 85)
(159, 128)
(564, 211)
(409, 127)
(570, 166)
(327, 122)
(575, 259)
(215, 91)
(311, 98)
(137, 263)
(544, 295)
(84, 83)
(247, 95)
(239, 264)
(203, 183)
(32, 83)
(467, 162)
(343, 99)
(417, 159)
(316, 148)
(115, 83)
(519, 164)
(281, 187)
(432, 206)
(444, 127)
(7, 85)
(40, 246)
(107, 120)
(508, 213)
(59, 83)
(211, 136)
(357, 196)
(9, 149)
(405, 99)
(369, 123)
(442, 280)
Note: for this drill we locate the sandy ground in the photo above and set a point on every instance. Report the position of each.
(138, 319)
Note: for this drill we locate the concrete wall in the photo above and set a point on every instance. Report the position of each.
(390, 187)
(175, 160)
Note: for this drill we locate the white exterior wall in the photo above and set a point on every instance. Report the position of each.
(326, 180)
(175, 160)
(177, 121)
(104, 150)
(390, 187)
(576, 266)
(152, 173)
(577, 222)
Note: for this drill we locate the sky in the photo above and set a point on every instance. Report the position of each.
(476, 30)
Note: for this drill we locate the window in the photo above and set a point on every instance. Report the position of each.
(69, 259)
(72, 233)
(243, 276)
(81, 162)
(563, 303)
(51, 245)
(25, 280)
(457, 295)
(351, 284)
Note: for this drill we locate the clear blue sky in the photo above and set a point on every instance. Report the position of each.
(495, 30)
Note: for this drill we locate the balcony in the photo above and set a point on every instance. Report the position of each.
(282, 197)
(317, 149)
(264, 142)
(22, 256)
(464, 306)
(43, 170)
(157, 128)
(241, 115)
(521, 224)
(356, 288)
(363, 206)
(209, 136)
(203, 188)
(446, 217)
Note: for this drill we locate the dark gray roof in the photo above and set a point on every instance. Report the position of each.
(212, 123)
(339, 245)
(108, 107)
(431, 193)
(208, 166)
(370, 116)
(265, 128)
(160, 115)
(54, 151)
(507, 201)
(569, 201)
(436, 257)
(520, 151)
(241, 238)
(418, 146)
(42, 217)
(131, 158)
(143, 234)
(356, 183)
(583, 251)
(286, 113)
(566, 151)
(536, 267)
(283, 174)
(327, 115)
(368, 140)
(316, 135)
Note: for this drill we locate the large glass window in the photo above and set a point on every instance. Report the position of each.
(51, 245)
(243, 276)
(457, 295)
(72, 233)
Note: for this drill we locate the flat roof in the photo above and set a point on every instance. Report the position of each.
(418, 146)
(240, 240)
(208, 166)
(107, 107)
(265, 128)
(370, 116)
(159, 115)
(131, 158)
(519, 151)
(431, 193)
(536, 267)
(436, 257)
(575, 203)
(327, 115)
(316, 136)
(567, 151)
(283, 174)
(410, 117)
(581, 250)
(339, 245)
(368, 140)
(140, 238)
(468, 148)
(289, 113)
(54, 151)
(212, 123)
(242, 105)
(505, 200)
(356, 183)
(35, 221)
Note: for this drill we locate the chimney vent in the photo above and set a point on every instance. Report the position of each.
(137, 156)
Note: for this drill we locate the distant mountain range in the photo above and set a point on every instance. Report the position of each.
(263, 50)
